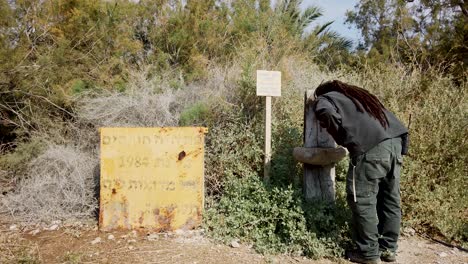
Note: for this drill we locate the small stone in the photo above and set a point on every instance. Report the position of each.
(409, 231)
(179, 232)
(131, 247)
(131, 241)
(111, 237)
(96, 240)
(35, 232)
(152, 237)
(443, 254)
(53, 227)
(13, 227)
(73, 232)
(56, 222)
(198, 232)
(235, 244)
(95, 228)
(134, 233)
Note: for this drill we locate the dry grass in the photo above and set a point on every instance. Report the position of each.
(15, 249)
(147, 102)
(59, 185)
(136, 108)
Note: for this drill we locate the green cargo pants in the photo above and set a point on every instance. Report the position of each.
(373, 194)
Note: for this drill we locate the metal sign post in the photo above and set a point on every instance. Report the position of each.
(268, 85)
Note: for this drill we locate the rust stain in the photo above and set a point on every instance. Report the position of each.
(182, 155)
(189, 224)
(164, 217)
(118, 184)
(140, 220)
(199, 151)
(125, 210)
(194, 153)
(156, 215)
(101, 212)
(200, 199)
(203, 130)
(193, 221)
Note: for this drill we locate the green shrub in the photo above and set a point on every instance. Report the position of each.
(273, 219)
(16, 162)
(194, 115)
(285, 169)
(233, 149)
(79, 86)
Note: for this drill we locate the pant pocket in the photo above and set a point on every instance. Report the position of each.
(377, 165)
(357, 184)
(363, 188)
(397, 167)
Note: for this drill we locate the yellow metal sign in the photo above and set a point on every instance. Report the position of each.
(152, 178)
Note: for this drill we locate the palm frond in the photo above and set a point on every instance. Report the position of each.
(308, 16)
(322, 28)
(333, 40)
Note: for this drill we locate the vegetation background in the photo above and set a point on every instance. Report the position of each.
(68, 67)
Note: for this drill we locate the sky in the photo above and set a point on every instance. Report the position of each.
(334, 10)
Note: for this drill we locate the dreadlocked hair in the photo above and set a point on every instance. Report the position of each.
(362, 99)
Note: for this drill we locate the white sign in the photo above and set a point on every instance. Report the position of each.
(268, 83)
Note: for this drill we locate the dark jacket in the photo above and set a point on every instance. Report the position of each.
(357, 131)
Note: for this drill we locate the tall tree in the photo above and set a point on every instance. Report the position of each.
(424, 32)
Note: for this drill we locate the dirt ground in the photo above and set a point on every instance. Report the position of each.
(83, 243)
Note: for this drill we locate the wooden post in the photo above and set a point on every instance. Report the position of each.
(268, 85)
(319, 181)
(266, 172)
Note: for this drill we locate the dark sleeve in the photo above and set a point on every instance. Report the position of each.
(327, 115)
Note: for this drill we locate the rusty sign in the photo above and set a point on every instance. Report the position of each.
(152, 178)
